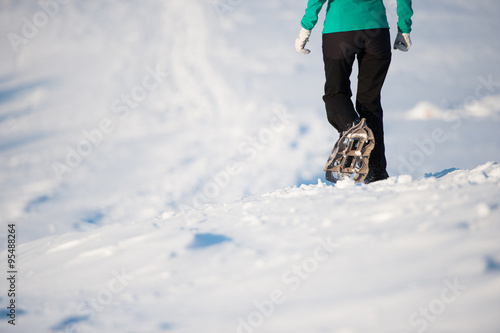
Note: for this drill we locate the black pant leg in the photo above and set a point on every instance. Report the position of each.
(373, 64)
(339, 52)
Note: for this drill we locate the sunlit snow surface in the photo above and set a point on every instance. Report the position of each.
(160, 160)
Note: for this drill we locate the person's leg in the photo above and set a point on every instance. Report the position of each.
(338, 55)
(373, 64)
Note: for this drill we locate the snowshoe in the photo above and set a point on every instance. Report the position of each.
(350, 155)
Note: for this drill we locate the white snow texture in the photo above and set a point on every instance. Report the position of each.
(161, 170)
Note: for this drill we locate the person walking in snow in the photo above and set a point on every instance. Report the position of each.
(357, 28)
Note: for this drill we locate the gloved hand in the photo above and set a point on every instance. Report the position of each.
(402, 42)
(302, 40)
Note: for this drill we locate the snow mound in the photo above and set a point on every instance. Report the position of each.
(488, 106)
(425, 110)
(309, 258)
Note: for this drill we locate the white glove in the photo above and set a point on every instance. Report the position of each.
(402, 42)
(302, 40)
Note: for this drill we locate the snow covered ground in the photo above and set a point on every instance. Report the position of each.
(162, 163)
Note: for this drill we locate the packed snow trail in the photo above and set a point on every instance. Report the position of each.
(400, 255)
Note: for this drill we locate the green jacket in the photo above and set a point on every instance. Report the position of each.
(349, 15)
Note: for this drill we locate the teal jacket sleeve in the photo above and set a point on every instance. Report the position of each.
(405, 13)
(311, 17)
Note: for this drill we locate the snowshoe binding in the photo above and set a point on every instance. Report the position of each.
(350, 155)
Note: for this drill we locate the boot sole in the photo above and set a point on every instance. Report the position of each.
(350, 155)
